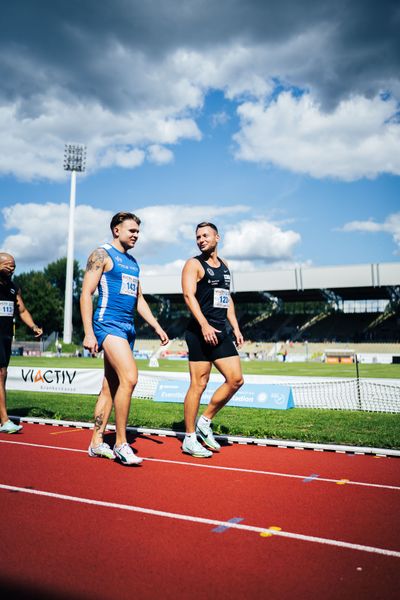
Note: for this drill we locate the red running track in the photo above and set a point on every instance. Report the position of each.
(80, 528)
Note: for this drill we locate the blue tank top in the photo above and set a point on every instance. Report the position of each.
(118, 288)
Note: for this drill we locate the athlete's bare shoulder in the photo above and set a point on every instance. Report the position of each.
(97, 260)
(193, 265)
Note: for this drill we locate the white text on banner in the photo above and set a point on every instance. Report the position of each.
(251, 395)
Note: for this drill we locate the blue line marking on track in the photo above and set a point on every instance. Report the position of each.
(311, 478)
(222, 528)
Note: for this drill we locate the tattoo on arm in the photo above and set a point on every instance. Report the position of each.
(96, 260)
(98, 421)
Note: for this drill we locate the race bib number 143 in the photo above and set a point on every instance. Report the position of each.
(129, 285)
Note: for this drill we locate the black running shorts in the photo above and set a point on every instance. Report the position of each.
(5, 350)
(199, 350)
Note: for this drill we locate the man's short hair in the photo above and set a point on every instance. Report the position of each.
(120, 217)
(207, 224)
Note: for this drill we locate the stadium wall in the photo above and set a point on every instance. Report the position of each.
(301, 278)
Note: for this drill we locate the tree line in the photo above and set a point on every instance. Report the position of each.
(43, 293)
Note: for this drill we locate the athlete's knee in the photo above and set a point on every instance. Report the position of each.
(199, 384)
(235, 382)
(129, 380)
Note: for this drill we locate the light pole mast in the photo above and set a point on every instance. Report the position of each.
(74, 161)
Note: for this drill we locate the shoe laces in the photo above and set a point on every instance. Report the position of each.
(206, 428)
(125, 447)
(103, 446)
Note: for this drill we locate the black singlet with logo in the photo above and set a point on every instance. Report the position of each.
(212, 294)
(8, 302)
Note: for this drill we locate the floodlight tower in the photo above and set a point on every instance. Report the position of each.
(74, 161)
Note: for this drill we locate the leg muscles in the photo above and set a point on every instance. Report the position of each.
(231, 369)
(120, 359)
(199, 376)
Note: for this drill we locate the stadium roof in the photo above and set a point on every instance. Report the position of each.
(349, 282)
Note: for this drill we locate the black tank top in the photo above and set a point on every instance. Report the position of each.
(8, 301)
(212, 294)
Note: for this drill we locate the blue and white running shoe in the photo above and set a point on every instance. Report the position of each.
(126, 455)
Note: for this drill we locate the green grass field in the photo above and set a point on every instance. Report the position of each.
(309, 425)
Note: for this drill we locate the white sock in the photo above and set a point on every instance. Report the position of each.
(191, 436)
(204, 420)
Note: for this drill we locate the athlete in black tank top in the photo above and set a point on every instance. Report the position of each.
(11, 304)
(8, 306)
(213, 294)
(206, 288)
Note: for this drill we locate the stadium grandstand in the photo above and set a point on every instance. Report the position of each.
(358, 305)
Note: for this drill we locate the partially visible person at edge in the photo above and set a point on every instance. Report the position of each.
(206, 284)
(116, 275)
(11, 303)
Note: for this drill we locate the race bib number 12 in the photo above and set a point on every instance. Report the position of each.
(129, 285)
(221, 298)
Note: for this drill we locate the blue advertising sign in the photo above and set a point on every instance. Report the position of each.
(250, 395)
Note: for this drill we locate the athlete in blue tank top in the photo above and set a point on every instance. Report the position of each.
(115, 274)
(118, 290)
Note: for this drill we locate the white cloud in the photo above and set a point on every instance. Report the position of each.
(358, 139)
(236, 68)
(123, 157)
(42, 229)
(259, 240)
(38, 232)
(32, 146)
(390, 225)
(367, 226)
(159, 154)
(163, 226)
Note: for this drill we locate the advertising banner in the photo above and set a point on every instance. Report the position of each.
(45, 379)
(250, 395)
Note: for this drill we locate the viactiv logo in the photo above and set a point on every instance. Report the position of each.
(48, 376)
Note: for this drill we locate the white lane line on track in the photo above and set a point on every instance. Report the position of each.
(202, 520)
(217, 467)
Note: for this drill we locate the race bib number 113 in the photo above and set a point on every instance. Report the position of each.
(6, 308)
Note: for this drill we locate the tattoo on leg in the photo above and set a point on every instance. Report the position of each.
(98, 421)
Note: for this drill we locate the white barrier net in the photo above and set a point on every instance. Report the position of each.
(375, 395)
(340, 394)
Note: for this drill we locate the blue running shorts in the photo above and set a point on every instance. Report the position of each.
(104, 328)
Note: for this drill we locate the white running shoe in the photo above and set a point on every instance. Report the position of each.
(126, 455)
(10, 427)
(206, 434)
(194, 448)
(103, 450)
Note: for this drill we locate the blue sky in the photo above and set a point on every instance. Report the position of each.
(280, 125)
